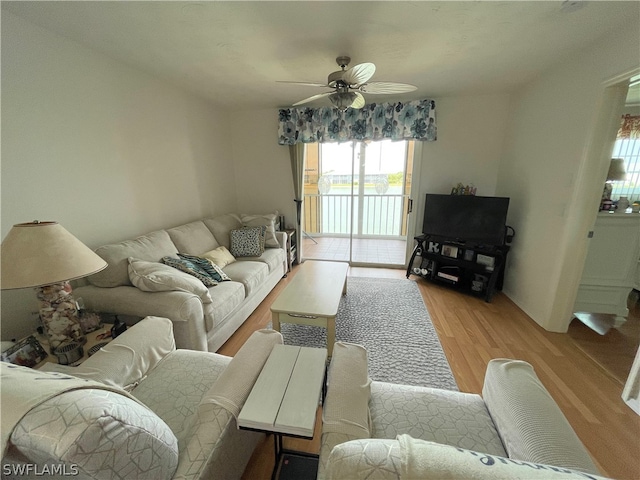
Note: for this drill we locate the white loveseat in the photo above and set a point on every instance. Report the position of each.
(201, 320)
(136, 409)
(377, 430)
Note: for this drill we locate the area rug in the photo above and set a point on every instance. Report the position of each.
(389, 318)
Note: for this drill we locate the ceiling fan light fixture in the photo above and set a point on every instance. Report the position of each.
(348, 85)
(343, 100)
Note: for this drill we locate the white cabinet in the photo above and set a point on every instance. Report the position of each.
(611, 268)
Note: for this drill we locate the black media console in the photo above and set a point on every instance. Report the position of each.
(477, 269)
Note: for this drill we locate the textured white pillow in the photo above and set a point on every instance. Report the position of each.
(269, 221)
(104, 434)
(158, 277)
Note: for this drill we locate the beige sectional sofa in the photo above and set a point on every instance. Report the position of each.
(202, 320)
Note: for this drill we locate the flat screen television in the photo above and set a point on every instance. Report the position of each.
(466, 219)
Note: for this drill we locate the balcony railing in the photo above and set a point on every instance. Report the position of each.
(374, 214)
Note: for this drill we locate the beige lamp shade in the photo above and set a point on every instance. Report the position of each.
(43, 253)
(617, 171)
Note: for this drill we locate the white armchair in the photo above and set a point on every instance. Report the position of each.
(378, 430)
(138, 408)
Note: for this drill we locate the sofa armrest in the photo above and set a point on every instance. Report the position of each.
(346, 407)
(233, 386)
(127, 359)
(282, 239)
(345, 414)
(184, 309)
(530, 423)
(410, 458)
(370, 459)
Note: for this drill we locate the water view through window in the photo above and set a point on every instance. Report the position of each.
(359, 191)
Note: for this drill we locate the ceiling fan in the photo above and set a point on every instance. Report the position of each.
(349, 84)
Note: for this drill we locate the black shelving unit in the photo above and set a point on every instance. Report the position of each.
(477, 269)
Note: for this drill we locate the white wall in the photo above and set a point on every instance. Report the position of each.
(104, 149)
(551, 123)
(262, 167)
(471, 132)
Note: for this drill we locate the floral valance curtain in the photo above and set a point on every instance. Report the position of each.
(414, 120)
(630, 127)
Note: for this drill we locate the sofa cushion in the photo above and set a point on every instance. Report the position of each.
(225, 298)
(267, 220)
(192, 269)
(221, 227)
(251, 274)
(151, 247)
(220, 256)
(443, 416)
(105, 434)
(193, 238)
(158, 277)
(530, 423)
(248, 241)
(273, 257)
(190, 375)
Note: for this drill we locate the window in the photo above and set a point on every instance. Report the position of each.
(372, 177)
(629, 149)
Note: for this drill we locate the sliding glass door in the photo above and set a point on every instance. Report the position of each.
(357, 198)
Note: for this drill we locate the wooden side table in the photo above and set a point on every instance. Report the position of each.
(292, 247)
(285, 398)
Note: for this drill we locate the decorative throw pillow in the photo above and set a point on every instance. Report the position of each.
(157, 277)
(269, 221)
(219, 256)
(214, 271)
(248, 241)
(190, 268)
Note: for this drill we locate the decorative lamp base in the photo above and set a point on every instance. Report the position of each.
(59, 315)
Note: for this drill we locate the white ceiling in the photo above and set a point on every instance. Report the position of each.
(233, 53)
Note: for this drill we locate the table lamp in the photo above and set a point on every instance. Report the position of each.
(616, 173)
(46, 256)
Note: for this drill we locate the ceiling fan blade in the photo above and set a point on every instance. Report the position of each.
(312, 98)
(359, 74)
(359, 101)
(386, 87)
(308, 84)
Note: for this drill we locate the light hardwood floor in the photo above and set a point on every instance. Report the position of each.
(472, 332)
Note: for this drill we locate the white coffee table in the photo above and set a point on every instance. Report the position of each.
(313, 297)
